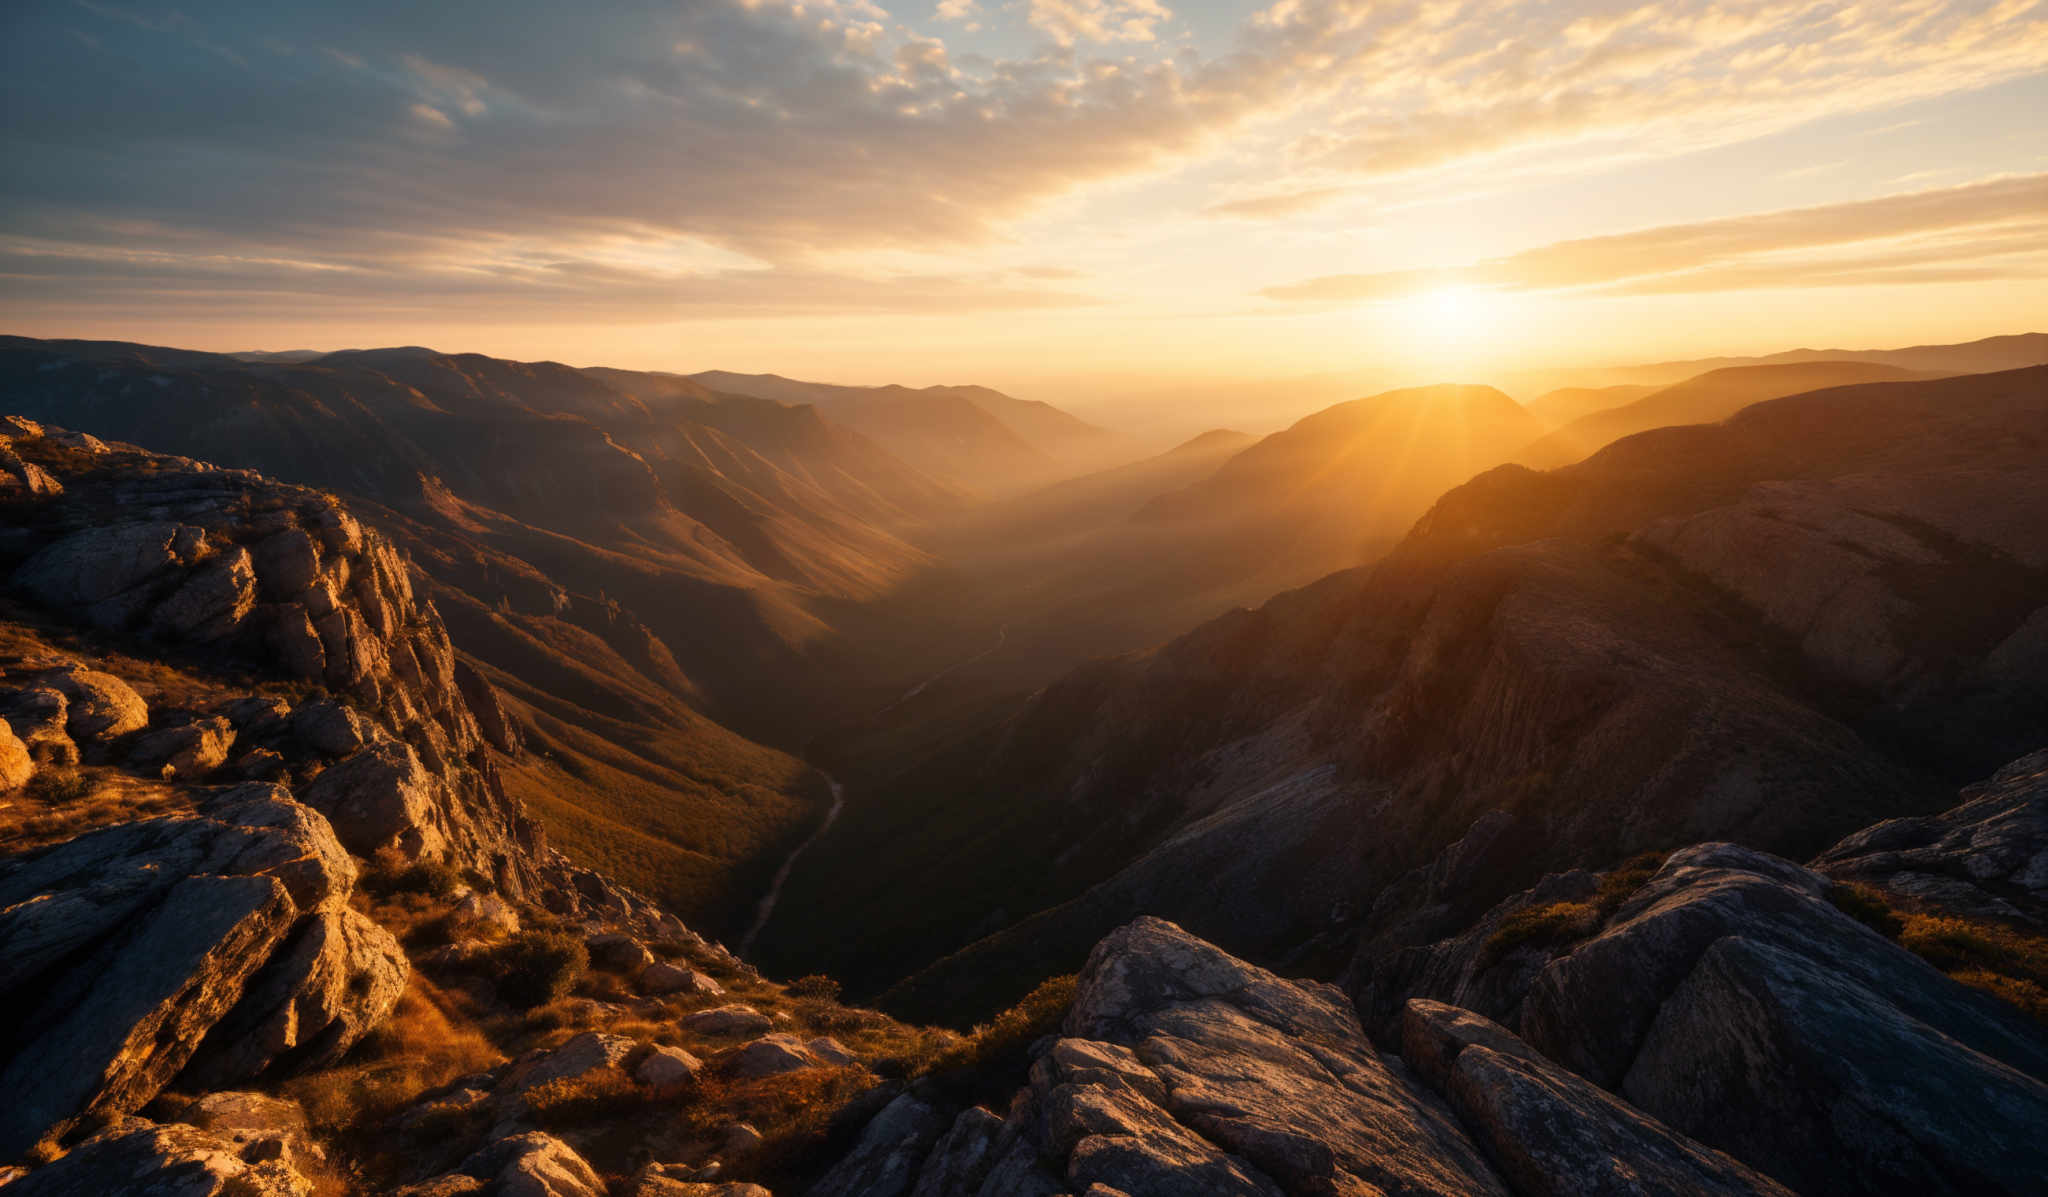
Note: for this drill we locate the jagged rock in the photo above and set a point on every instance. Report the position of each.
(962, 1157)
(296, 643)
(741, 1138)
(144, 1160)
(456, 1185)
(534, 1165)
(886, 1160)
(491, 717)
(260, 1128)
(98, 706)
(382, 798)
(1731, 1001)
(287, 562)
(329, 727)
(681, 1180)
(620, 953)
(259, 764)
(1978, 858)
(126, 945)
(187, 751)
(212, 602)
(258, 715)
(668, 1070)
(587, 1053)
(16, 765)
(333, 982)
(829, 1051)
(1552, 1133)
(662, 977)
(112, 1033)
(734, 1019)
(1276, 1073)
(23, 477)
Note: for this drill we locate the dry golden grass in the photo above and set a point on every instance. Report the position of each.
(1565, 922)
(426, 1043)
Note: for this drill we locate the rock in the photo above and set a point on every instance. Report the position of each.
(87, 569)
(1277, 1074)
(619, 953)
(741, 1138)
(381, 798)
(260, 1128)
(732, 1019)
(260, 764)
(145, 1160)
(330, 728)
(962, 1157)
(885, 1162)
(453, 1185)
(98, 706)
(830, 1051)
(578, 1058)
(534, 1164)
(112, 1033)
(212, 601)
(664, 977)
(492, 720)
(1554, 1134)
(681, 1180)
(1731, 1001)
(296, 643)
(127, 945)
(773, 1055)
(1976, 859)
(668, 1071)
(259, 715)
(16, 766)
(39, 716)
(334, 981)
(486, 913)
(287, 563)
(187, 751)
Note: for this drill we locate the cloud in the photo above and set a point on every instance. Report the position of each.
(399, 141)
(1993, 228)
(1070, 21)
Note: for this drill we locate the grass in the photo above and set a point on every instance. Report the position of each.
(534, 968)
(1567, 922)
(2007, 961)
(986, 1064)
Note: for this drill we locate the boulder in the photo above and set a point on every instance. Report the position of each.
(663, 977)
(1236, 1080)
(960, 1161)
(734, 1019)
(330, 728)
(534, 1164)
(485, 913)
(886, 1160)
(259, 1127)
(588, 1053)
(186, 751)
(1552, 1133)
(773, 1055)
(87, 570)
(140, 1159)
(741, 1138)
(287, 562)
(382, 798)
(39, 715)
(16, 765)
(212, 601)
(1730, 1000)
(619, 953)
(98, 706)
(668, 1071)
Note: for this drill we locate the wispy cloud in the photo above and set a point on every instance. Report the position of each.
(1995, 228)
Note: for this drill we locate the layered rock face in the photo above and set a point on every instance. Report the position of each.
(228, 567)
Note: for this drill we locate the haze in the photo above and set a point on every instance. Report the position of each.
(1099, 198)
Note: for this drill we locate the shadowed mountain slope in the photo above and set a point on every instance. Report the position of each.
(1825, 610)
(1714, 395)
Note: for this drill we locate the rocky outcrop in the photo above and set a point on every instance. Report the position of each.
(534, 1165)
(228, 567)
(131, 945)
(1552, 1133)
(146, 1160)
(1986, 857)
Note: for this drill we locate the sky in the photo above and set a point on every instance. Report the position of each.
(1062, 197)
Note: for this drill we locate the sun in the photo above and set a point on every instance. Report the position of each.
(1450, 313)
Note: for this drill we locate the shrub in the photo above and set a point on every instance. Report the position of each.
(433, 878)
(815, 986)
(1562, 922)
(534, 968)
(59, 787)
(1866, 906)
(987, 1062)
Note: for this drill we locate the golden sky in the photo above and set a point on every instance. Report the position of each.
(1072, 195)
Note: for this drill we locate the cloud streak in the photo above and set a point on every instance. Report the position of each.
(1967, 231)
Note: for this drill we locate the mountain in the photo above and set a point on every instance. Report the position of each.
(970, 436)
(1714, 395)
(1989, 355)
(1823, 611)
(646, 582)
(1566, 404)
